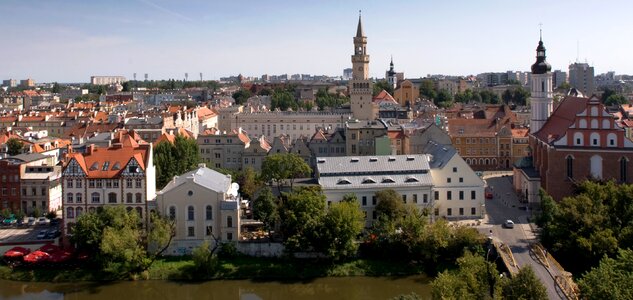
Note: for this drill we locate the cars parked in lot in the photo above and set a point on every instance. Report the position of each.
(508, 224)
(30, 221)
(10, 220)
(53, 233)
(42, 221)
(42, 234)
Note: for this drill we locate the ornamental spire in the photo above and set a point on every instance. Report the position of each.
(359, 30)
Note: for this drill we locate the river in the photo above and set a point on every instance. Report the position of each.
(332, 288)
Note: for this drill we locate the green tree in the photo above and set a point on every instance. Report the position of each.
(611, 279)
(382, 85)
(205, 260)
(523, 286)
(301, 217)
(249, 182)
(159, 236)
(507, 96)
(283, 99)
(615, 100)
(175, 159)
(56, 89)
(520, 96)
(390, 204)
(488, 97)
(341, 225)
(284, 166)
(350, 197)
(475, 278)
(444, 99)
(427, 89)
(241, 96)
(265, 209)
(14, 146)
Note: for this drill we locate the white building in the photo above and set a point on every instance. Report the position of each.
(457, 191)
(41, 188)
(409, 175)
(106, 80)
(204, 204)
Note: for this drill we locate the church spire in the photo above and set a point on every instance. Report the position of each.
(541, 66)
(359, 30)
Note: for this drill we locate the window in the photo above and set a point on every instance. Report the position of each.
(436, 211)
(461, 195)
(437, 195)
(139, 198)
(425, 198)
(449, 195)
(373, 200)
(415, 198)
(229, 236)
(473, 195)
(449, 211)
(96, 198)
(570, 166)
(364, 200)
(108, 183)
(209, 230)
(172, 212)
(623, 165)
(128, 183)
(448, 180)
(33, 191)
(69, 198)
(139, 211)
(70, 213)
(79, 211)
(473, 211)
(454, 169)
(461, 179)
(80, 183)
(190, 213)
(111, 198)
(191, 231)
(78, 197)
(461, 211)
(99, 183)
(69, 183)
(229, 222)
(404, 199)
(374, 215)
(209, 212)
(139, 183)
(128, 198)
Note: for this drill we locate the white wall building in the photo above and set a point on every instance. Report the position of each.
(204, 204)
(409, 175)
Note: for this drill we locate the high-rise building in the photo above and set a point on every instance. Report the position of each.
(10, 83)
(581, 78)
(27, 83)
(347, 74)
(541, 101)
(360, 87)
(559, 78)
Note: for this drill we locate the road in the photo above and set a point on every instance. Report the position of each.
(505, 206)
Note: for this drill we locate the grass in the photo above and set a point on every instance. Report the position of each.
(182, 269)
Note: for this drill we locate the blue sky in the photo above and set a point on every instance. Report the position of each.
(68, 41)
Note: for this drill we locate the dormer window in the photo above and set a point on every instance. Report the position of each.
(368, 181)
(411, 179)
(343, 181)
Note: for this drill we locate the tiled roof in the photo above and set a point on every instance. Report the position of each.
(109, 162)
(560, 120)
(471, 127)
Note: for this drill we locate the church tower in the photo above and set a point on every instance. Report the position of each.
(391, 75)
(541, 100)
(360, 86)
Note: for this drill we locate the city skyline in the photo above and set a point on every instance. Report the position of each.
(70, 41)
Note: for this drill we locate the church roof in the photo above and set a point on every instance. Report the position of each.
(562, 117)
(359, 29)
(541, 66)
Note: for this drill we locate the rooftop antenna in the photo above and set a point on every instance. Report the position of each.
(186, 76)
(146, 76)
(577, 51)
(200, 76)
(540, 31)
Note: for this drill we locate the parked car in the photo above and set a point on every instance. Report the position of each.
(53, 234)
(42, 221)
(54, 222)
(30, 221)
(508, 224)
(10, 220)
(42, 234)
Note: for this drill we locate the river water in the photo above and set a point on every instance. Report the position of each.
(348, 288)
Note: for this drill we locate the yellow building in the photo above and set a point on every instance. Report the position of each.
(407, 93)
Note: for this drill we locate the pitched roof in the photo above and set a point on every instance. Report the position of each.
(384, 96)
(562, 117)
(204, 177)
(109, 162)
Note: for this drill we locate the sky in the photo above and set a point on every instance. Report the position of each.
(69, 41)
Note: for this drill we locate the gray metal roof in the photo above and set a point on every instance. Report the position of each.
(204, 177)
(440, 154)
(380, 164)
(376, 181)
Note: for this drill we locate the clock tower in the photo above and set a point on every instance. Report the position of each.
(360, 86)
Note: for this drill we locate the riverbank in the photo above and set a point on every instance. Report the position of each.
(182, 269)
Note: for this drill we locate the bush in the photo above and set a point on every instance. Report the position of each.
(228, 251)
(205, 261)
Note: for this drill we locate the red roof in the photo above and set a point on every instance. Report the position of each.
(562, 117)
(37, 256)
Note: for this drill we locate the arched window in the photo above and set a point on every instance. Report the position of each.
(139, 198)
(570, 166)
(578, 139)
(623, 172)
(128, 198)
(70, 213)
(79, 211)
(172, 212)
(69, 198)
(96, 198)
(190, 213)
(596, 166)
(612, 140)
(78, 197)
(582, 123)
(594, 123)
(487, 162)
(111, 197)
(594, 137)
(209, 212)
(606, 124)
(229, 222)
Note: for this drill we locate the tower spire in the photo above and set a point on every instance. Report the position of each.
(359, 30)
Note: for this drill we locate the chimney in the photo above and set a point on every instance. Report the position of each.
(89, 149)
